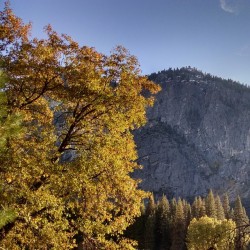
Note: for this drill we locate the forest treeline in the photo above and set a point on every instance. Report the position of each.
(186, 74)
(207, 223)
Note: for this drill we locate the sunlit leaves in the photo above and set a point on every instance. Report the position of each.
(206, 232)
(68, 102)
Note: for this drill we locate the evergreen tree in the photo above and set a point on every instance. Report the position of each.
(246, 216)
(150, 215)
(178, 237)
(239, 214)
(187, 212)
(210, 205)
(195, 208)
(231, 214)
(226, 206)
(136, 231)
(162, 224)
(173, 205)
(219, 208)
(202, 207)
(198, 207)
(241, 220)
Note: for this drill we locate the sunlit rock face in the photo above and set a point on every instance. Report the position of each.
(197, 136)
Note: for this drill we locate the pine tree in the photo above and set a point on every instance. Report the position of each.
(246, 219)
(136, 231)
(210, 205)
(178, 237)
(219, 208)
(198, 207)
(202, 207)
(195, 208)
(239, 215)
(241, 221)
(173, 205)
(187, 212)
(226, 206)
(162, 224)
(150, 215)
(231, 214)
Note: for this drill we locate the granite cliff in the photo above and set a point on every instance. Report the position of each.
(197, 136)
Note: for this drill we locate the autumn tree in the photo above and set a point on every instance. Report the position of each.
(99, 100)
(9, 127)
(209, 233)
(171, 220)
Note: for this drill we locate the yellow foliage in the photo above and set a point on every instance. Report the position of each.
(209, 232)
(69, 99)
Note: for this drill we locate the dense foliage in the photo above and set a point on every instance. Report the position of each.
(67, 150)
(207, 223)
(206, 233)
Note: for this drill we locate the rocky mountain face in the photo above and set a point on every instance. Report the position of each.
(197, 137)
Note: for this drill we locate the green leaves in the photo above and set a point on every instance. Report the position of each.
(7, 216)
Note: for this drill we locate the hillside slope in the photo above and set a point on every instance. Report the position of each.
(197, 136)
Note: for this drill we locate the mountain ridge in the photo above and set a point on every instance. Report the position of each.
(197, 136)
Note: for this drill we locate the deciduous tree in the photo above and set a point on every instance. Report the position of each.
(210, 233)
(99, 100)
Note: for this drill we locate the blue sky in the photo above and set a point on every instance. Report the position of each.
(211, 35)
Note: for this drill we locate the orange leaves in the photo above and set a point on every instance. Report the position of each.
(98, 100)
(12, 28)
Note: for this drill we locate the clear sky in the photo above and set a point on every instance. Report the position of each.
(211, 35)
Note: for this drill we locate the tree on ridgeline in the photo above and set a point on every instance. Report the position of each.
(91, 199)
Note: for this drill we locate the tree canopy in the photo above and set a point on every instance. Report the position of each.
(65, 173)
(176, 224)
(210, 233)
